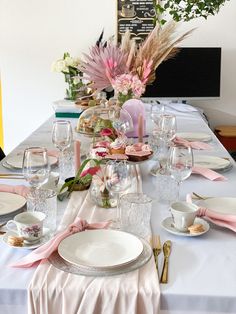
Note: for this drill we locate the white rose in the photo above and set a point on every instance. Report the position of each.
(69, 61)
(60, 66)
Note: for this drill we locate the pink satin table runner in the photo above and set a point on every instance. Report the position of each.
(54, 291)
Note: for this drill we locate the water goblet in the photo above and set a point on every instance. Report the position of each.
(117, 179)
(62, 137)
(180, 164)
(35, 169)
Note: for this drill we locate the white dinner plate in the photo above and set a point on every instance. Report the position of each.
(167, 224)
(195, 136)
(222, 205)
(28, 246)
(211, 162)
(100, 248)
(10, 203)
(17, 160)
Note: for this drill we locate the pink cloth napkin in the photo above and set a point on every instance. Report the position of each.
(227, 221)
(209, 174)
(16, 189)
(194, 145)
(44, 251)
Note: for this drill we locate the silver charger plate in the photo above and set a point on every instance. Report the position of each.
(61, 264)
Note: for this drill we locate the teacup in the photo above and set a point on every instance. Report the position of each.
(29, 226)
(183, 214)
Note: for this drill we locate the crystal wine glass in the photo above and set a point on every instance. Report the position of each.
(118, 179)
(36, 170)
(180, 164)
(62, 137)
(166, 127)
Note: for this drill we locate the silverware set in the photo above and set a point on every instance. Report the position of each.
(155, 242)
(11, 176)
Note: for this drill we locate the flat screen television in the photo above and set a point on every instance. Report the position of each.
(194, 73)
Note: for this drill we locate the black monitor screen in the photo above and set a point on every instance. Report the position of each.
(192, 73)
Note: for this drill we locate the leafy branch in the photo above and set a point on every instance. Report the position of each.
(186, 10)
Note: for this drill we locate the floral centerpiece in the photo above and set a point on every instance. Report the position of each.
(129, 67)
(73, 76)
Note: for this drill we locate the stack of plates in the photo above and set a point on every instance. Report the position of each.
(10, 205)
(221, 205)
(195, 136)
(101, 252)
(212, 162)
(16, 161)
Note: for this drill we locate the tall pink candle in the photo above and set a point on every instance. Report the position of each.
(140, 128)
(77, 155)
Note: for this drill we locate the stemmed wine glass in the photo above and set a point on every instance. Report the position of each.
(117, 179)
(166, 127)
(36, 170)
(180, 164)
(62, 137)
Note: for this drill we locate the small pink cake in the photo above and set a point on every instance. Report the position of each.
(138, 152)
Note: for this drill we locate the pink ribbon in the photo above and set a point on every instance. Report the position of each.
(208, 173)
(44, 251)
(16, 189)
(194, 145)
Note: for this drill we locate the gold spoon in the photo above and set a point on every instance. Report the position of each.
(201, 197)
(166, 251)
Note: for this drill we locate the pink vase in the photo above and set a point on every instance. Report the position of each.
(135, 108)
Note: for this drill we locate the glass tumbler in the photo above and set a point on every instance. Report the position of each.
(46, 205)
(135, 210)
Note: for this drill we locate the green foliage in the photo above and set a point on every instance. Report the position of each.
(186, 10)
(79, 183)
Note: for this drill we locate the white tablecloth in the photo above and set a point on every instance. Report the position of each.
(202, 270)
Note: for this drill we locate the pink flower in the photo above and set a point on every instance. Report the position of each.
(106, 132)
(92, 171)
(128, 83)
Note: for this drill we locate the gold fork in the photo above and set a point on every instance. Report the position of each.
(156, 247)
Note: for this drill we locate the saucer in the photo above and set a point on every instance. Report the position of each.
(44, 239)
(167, 224)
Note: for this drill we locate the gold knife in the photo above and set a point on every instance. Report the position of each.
(166, 251)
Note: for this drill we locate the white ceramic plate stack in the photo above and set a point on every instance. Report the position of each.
(16, 161)
(10, 205)
(195, 136)
(221, 205)
(101, 253)
(212, 162)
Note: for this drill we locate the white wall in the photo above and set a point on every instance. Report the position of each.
(33, 33)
